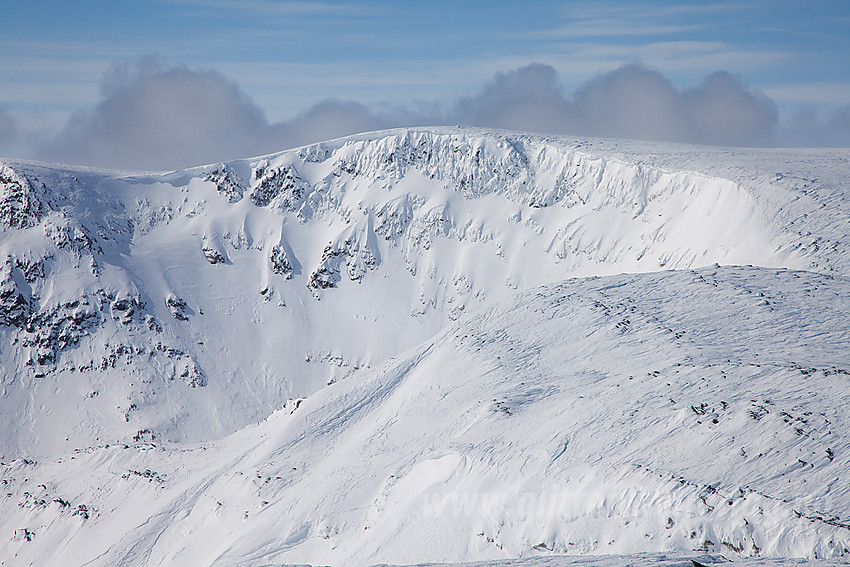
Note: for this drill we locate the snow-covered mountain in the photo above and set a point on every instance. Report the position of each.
(365, 315)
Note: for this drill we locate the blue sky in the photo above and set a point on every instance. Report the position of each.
(287, 56)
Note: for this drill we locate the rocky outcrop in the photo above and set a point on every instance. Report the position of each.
(213, 256)
(471, 166)
(14, 305)
(72, 236)
(52, 330)
(183, 366)
(21, 204)
(348, 255)
(226, 182)
(178, 307)
(393, 219)
(280, 184)
(280, 261)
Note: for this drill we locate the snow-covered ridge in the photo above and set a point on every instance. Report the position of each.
(185, 305)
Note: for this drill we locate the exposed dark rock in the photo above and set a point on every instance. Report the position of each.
(126, 309)
(214, 256)
(21, 205)
(32, 270)
(184, 366)
(358, 259)
(66, 235)
(226, 182)
(15, 307)
(279, 259)
(144, 435)
(24, 534)
(179, 309)
(281, 184)
(53, 330)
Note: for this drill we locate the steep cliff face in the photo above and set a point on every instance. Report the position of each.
(183, 306)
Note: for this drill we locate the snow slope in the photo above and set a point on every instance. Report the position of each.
(364, 314)
(183, 306)
(637, 560)
(675, 411)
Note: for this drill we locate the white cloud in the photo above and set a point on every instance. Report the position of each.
(814, 128)
(818, 93)
(152, 117)
(9, 134)
(528, 98)
(630, 102)
(155, 118)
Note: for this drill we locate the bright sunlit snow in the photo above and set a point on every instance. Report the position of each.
(428, 345)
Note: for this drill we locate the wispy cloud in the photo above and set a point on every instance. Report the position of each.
(648, 10)
(693, 37)
(685, 55)
(607, 19)
(275, 8)
(610, 28)
(834, 93)
(288, 55)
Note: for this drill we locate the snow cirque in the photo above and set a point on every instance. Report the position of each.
(342, 354)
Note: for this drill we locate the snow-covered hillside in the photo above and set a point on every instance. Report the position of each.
(184, 306)
(689, 410)
(365, 315)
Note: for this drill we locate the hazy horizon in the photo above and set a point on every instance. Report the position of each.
(175, 83)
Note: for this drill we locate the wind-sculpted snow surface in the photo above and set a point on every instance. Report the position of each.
(686, 412)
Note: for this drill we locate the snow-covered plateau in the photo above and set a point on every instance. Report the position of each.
(429, 345)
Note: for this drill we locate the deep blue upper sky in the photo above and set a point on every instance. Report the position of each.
(289, 55)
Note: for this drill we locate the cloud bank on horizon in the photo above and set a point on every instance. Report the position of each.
(150, 117)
